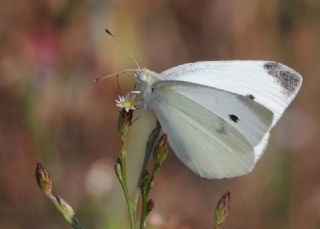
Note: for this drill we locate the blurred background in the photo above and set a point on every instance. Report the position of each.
(51, 111)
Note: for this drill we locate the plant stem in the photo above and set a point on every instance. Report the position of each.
(143, 211)
(76, 224)
(153, 136)
(145, 195)
(124, 186)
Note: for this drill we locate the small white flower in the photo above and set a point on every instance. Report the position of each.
(127, 102)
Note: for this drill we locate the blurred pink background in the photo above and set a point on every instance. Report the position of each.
(51, 111)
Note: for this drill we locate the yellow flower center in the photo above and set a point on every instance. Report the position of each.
(128, 103)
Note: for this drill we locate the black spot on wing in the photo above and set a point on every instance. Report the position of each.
(234, 118)
(251, 97)
(286, 77)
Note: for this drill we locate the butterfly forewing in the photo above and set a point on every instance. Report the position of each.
(270, 84)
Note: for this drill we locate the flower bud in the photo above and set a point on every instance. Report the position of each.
(43, 179)
(125, 118)
(66, 210)
(222, 209)
(150, 205)
(145, 181)
(124, 122)
(160, 150)
(117, 169)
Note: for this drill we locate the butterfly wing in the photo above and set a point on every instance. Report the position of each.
(268, 83)
(250, 118)
(244, 100)
(201, 139)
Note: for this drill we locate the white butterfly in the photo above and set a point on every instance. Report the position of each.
(218, 114)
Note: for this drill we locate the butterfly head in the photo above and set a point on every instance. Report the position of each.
(145, 78)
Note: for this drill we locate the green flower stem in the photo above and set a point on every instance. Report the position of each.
(66, 211)
(124, 187)
(145, 191)
(124, 123)
(143, 211)
(45, 184)
(147, 181)
(76, 224)
(154, 135)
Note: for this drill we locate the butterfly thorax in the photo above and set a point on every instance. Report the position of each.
(146, 79)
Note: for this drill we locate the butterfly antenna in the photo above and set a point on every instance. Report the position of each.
(119, 84)
(123, 47)
(128, 71)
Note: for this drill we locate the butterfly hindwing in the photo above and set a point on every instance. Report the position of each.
(250, 118)
(206, 143)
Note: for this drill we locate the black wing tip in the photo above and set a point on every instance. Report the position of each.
(286, 77)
